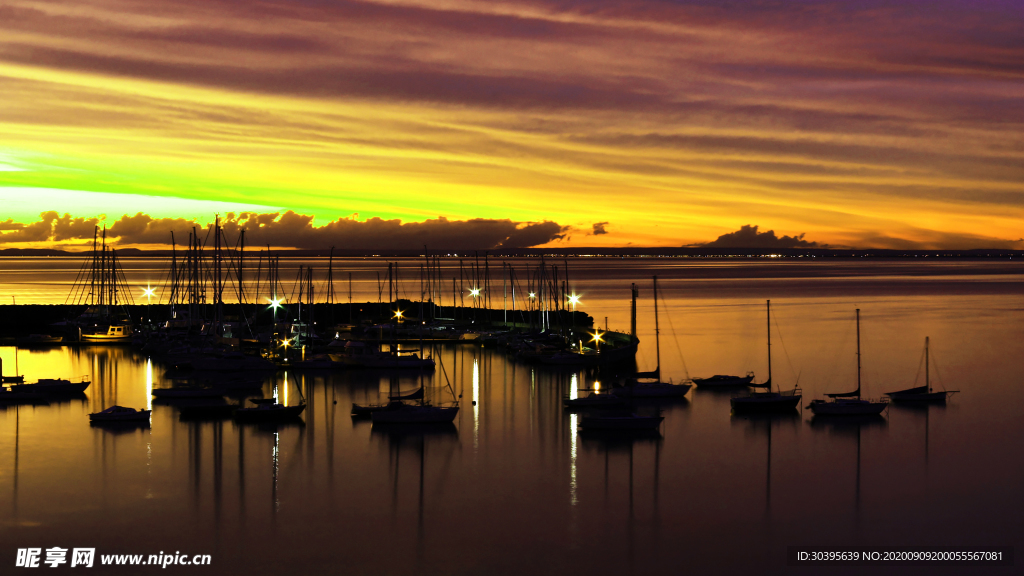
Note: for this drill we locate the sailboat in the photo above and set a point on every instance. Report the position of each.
(922, 393)
(398, 412)
(595, 399)
(654, 387)
(849, 403)
(54, 386)
(269, 410)
(17, 379)
(779, 401)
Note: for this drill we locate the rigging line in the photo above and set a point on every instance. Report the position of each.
(783, 343)
(298, 276)
(76, 287)
(163, 287)
(833, 367)
(119, 277)
(938, 376)
(675, 339)
(920, 366)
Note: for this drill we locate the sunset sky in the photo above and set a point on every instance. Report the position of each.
(634, 122)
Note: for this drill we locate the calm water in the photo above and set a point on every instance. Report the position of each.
(512, 488)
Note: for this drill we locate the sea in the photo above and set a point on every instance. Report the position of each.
(512, 486)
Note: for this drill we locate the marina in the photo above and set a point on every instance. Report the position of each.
(324, 485)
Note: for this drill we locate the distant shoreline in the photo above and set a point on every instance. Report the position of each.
(565, 253)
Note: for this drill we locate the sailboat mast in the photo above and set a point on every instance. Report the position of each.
(657, 331)
(927, 382)
(768, 307)
(858, 353)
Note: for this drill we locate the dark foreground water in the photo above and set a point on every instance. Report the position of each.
(513, 488)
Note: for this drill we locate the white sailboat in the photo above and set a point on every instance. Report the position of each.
(849, 403)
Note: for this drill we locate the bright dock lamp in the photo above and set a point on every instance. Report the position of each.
(275, 303)
(148, 292)
(574, 299)
(596, 338)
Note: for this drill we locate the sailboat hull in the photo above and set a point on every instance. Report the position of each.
(594, 400)
(412, 414)
(840, 407)
(653, 390)
(919, 394)
(765, 402)
(53, 386)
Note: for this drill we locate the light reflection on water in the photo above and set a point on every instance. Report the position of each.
(512, 487)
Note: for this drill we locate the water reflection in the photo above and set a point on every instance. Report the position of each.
(762, 424)
(410, 443)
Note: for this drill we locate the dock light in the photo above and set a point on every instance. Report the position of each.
(574, 299)
(285, 343)
(596, 337)
(597, 385)
(474, 292)
(398, 314)
(148, 293)
(533, 294)
(275, 303)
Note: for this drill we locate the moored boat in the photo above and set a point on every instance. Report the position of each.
(768, 401)
(620, 421)
(595, 400)
(39, 340)
(653, 387)
(268, 410)
(400, 412)
(9, 396)
(922, 393)
(724, 381)
(187, 392)
(848, 403)
(115, 334)
(119, 414)
(54, 386)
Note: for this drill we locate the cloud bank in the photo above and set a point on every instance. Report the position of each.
(748, 237)
(292, 230)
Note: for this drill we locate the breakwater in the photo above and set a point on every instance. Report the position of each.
(24, 319)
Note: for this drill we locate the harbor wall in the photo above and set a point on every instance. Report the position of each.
(24, 319)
